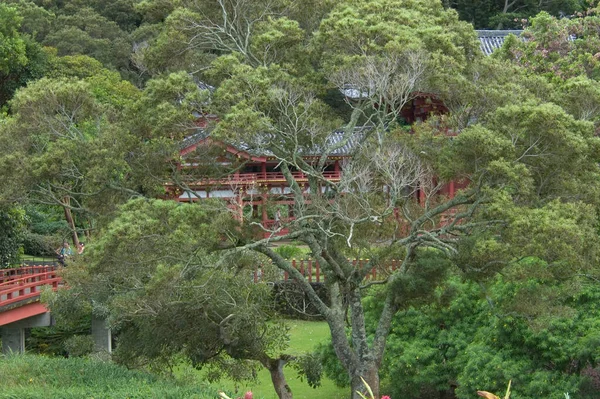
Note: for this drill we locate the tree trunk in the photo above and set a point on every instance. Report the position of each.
(370, 374)
(275, 367)
(71, 222)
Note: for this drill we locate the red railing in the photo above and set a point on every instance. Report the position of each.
(11, 274)
(263, 177)
(21, 284)
(311, 270)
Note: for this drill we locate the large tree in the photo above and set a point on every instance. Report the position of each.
(524, 163)
(58, 140)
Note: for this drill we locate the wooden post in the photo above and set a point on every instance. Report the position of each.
(310, 270)
(451, 189)
(318, 271)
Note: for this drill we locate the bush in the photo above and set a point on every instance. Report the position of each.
(39, 245)
(12, 226)
(79, 345)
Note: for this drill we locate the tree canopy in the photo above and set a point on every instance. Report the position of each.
(93, 123)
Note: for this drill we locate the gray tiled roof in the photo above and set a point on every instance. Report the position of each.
(334, 138)
(490, 40)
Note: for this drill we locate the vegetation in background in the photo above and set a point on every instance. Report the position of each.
(12, 228)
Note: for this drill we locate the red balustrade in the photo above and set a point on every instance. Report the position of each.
(311, 270)
(26, 283)
(11, 274)
(263, 177)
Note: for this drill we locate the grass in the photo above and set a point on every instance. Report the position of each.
(304, 335)
(40, 377)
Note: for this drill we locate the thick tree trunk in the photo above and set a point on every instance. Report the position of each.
(70, 221)
(371, 376)
(275, 367)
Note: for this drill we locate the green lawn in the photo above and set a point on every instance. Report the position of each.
(304, 335)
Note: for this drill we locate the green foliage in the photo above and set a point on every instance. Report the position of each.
(12, 49)
(40, 245)
(332, 367)
(291, 251)
(155, 255)
(558, 48)
(86, 32)
(481, 338)
(21, 58)
(309, 366)
(494, 14)
(37, 377)
(79, 345)
(12, 224)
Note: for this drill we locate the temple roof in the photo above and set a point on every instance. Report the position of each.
(260, 149)
(490, 40)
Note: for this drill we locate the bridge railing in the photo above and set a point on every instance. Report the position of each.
(311, 270)
(27, 286)
(15, 273)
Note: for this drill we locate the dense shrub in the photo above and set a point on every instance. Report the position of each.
(79, 345)
(473, 337)
(39, 245)
(470, 339)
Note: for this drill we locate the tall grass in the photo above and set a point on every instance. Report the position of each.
(40, 377)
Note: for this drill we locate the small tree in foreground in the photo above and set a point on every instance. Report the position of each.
(152, 277)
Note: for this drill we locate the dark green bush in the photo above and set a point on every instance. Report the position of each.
(39, 245)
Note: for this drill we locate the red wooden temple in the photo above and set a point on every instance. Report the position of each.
(257, 189)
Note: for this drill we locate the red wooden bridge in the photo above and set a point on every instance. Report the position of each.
(20, 305)
(20, 290)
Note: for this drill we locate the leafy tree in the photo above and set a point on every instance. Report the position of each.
(37, 21)
(152, 275)
(21, 58)
(63, 128)
(517, 190)
(13, 47)
(86, 32)
(557, 48)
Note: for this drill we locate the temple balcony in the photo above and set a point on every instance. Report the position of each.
(261, 178)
